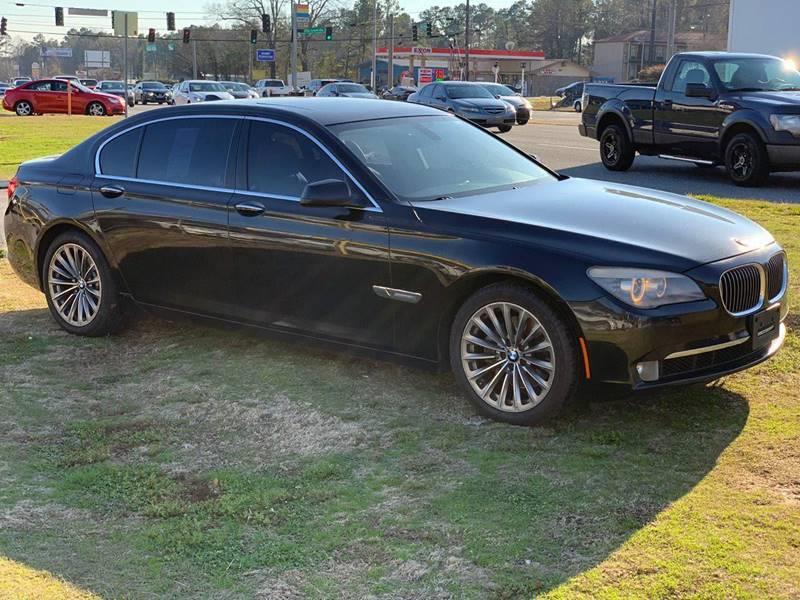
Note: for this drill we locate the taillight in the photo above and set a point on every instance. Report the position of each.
(12, 186)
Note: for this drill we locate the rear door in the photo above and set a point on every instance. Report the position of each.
(161, 199)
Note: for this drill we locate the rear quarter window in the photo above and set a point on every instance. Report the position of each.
(118, 157)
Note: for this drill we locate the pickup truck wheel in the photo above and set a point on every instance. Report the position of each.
(746, 160)
(616, 150)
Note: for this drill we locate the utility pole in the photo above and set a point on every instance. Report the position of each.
(294, 46)
(194, 58)
(390, 66)
(125, 63)
(374, 77)
(652, 57)
(466, 47)
(673, 15)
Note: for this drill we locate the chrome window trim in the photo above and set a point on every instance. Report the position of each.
(762, 290)
(705, 349)
(99, 173)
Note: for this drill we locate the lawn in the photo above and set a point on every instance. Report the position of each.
(175, 460)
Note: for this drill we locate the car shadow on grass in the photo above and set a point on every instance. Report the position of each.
(230, 461)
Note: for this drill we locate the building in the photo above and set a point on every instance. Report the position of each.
(766, 27)
(425, 64)
(550, 74)
(621, 57)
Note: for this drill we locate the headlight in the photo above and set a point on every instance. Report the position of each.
(790, 123)
(645, 288)
(470, 109)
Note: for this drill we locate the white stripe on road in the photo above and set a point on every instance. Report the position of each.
(567, 147)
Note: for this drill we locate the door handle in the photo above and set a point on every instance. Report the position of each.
(111, 191)
(250, 209)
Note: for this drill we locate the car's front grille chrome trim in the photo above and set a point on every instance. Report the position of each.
(742, 289)
(777, 276)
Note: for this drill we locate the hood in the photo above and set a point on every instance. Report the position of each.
(239, 94)
(772, 99)
(480, 102)
(515, 101)
(621, 219)
(212, 95)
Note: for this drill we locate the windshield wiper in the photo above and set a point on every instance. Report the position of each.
(749, 89)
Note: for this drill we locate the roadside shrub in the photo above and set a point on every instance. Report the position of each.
(651, 73)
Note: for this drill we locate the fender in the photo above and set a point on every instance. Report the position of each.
(616, 107)
(746, 116)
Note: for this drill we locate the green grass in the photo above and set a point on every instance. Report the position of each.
(174, 460)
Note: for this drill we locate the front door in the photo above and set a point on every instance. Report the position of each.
(299, 268)
(164, 215)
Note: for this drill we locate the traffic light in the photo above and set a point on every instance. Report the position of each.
(187, 35)
(59, 16)
(265, 23)
(3, 26)
(254, 36)
(170, 21)
(428, 29)
(151, 35)
(414, 32)
(329, 34)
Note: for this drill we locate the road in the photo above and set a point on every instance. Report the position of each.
(554, 138)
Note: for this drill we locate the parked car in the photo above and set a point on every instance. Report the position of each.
(572, 95)
(200, 90)
(240, 91)
(18, 81)
(345, 90)
(399, 92)
(709, 108)
(3, 87)
(398, 228)
(150, 91)
(173, 90)
(113, 87)
(316, 84)
(506, 94)
(468, 100)
(272, 87)
(89, 83)
(51, 96)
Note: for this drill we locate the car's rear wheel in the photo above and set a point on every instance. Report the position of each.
(578, 106)
(746, 160)
(616, 150)
(514, 355)
(23, 108)
(96, 109)
(504, 128)
(80, 289)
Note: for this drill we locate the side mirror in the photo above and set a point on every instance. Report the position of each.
(699, 90)
(497, 96)
(327, 192)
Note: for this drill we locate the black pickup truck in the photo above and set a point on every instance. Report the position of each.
(709, 108)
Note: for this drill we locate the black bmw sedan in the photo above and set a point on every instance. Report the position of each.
(402, 229)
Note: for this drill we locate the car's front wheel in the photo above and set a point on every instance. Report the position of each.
(616, 150)
(504, 128)
(514, 355)
(23, 108)
(746, 160)
(80, 289)
(96, 109)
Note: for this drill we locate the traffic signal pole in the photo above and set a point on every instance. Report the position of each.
(294, 47)
(125, 63)
(466, 47)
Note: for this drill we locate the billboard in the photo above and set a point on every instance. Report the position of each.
(97, 59)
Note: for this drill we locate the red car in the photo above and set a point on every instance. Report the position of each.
(50, 96)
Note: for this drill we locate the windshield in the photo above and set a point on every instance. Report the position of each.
(431, 158)
(206, 86)
(239, 87)
(273, 83)
(467, 91)
(352, 88)
(757, 74)
(111, 85)
(153, 86)
(498, 90)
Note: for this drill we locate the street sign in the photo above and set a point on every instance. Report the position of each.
(420, 50)
(118, 23)
(57, 52)
(87, 12)
(313, 30)
(301, 13)
(265, 55)
(97, 59)
(424, 75)
(151, 47)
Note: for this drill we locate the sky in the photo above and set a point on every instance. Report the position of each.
(25, 21)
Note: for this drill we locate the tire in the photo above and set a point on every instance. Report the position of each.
(523, 122)
(131, 103)
(616, 150)
(504, 128)
(143, 102)
(554, 388)
(578, 106)
(94, 283)
(746, 160)
(23, 108)
(96, 109)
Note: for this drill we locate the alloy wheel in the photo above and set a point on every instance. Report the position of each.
(507, 357)
(741, 160)
(74, 283)
(96, 109)
(611, 148)
(24, 109)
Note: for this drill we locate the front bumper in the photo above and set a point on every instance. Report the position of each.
(489, 120)
(784, 157)
(681, 343)
(523, 115)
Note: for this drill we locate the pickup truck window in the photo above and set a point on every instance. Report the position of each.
(757, 74)
(690, 71)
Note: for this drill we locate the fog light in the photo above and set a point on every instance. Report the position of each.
(648, 370)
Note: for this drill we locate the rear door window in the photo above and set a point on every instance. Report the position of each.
(187, 151)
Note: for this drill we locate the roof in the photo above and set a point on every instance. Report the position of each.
(643, 36)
